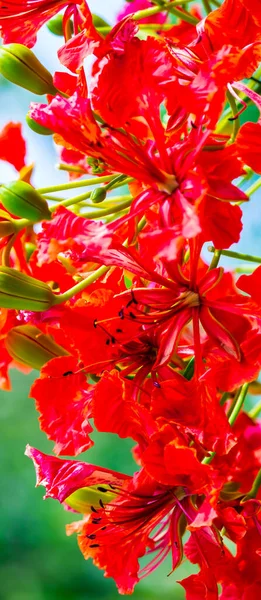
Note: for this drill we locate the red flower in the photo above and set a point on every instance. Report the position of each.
(139, 516)
(64, 402)
(179, 296)
(20, 22)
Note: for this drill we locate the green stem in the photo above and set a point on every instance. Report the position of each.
(184, 16)
(207, 6)
(53, 199)
(255, 487)
(215, 259)
(234, 414)
(82, 285)
(224, 398)
(96, 214)
(81, 197)
(239, 403)
(254, 412)
(75, 184)
(70, 201)
(170, 7)
(238, 255)
(244, 269)
(254, 187)
(236, 122)
(7, 250)
(233, 403)
(70, 168)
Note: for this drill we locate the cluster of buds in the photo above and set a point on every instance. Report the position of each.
(110, 295)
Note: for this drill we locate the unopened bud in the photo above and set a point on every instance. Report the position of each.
(98, 195)
(99, 21)
(22, 292)
(22, 200)
(29, 346)
(36, 127)
(19, 65)
(55, 25)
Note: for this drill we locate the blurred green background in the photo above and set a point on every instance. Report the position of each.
(38, 561)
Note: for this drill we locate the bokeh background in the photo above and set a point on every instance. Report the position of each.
(38, 561)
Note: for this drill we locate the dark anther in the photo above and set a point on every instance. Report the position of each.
(119, 330)
(96, 521)
(233, 118)
(132, 315)
(91, 536)
(108, 341)
(95, 323)
(68, 373)
(157, 384)
(193, 125)
(93, 509)
(101, 504)
(102, 528)
(121, 314)
(94, 546)
(113, 340)
(112, 486)
(102, 489)
(132, 301)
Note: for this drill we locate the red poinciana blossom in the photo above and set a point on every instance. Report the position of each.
(20, 21)
(184, 292)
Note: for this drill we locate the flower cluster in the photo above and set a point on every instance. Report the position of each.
(114, 301)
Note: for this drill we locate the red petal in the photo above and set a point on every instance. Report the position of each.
(64, 402)
(12, 145)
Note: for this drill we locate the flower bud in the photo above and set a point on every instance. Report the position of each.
(31, 347)
(98, 21)
(19, 65)
(55, 25)
(22, 200)
(22, 292)
(36, 127)
(98, 195)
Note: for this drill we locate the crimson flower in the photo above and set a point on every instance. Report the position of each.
(20, 21)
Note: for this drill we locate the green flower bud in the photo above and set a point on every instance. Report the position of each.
(55, 25)
(22, 292)
(19, 65)
(99, 21)
(98, 195)
(22, 200)
(31, 347)
(36, 127)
